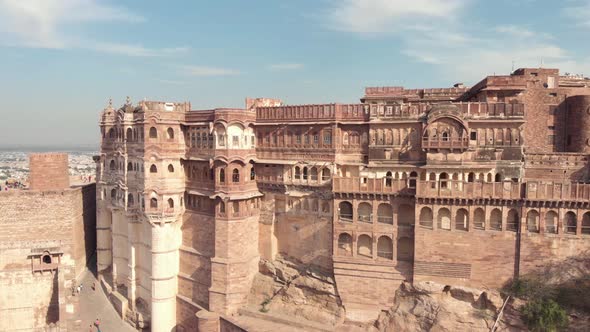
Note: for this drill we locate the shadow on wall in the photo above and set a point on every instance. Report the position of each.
(52, 316)
(89, 220)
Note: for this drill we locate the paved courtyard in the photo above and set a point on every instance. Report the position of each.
(94, 304)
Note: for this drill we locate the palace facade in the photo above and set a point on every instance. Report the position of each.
(465, 186)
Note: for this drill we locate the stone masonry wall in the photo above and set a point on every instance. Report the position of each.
(59, 222)
(49, 171)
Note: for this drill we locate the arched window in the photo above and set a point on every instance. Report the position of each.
(445, 136)
(462, 220)
(170, 133)
(113, 194)
(364, 212)
(344, 244)
(129, 200)
(443, 180)
(170, 203)
(385, 247)
(304, 173)
(498, 177)
(112, 165)
(111, 133)
(46, 259)
(413, 178)
(385, 213)
(512, 220)
(496, 220)
(153, 132)
(129, 167)
(314, 174)
(325, 174)
(388, 179)
(222, 207)
(154, 203)
(170, 168)
(532, 221)
(426, 217)
(345, 211)
(479, 219)
(236, 208)
(153, 169)
(365, 246)
(471, 177)
(586, 223)
(297, 173)
(489, 177)
(551, 222)
(235, 176)
(129, 135)
(571, 223)
(444, 219)
(222, 175)
(252, 174)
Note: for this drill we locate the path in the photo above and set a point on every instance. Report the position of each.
(94, 304)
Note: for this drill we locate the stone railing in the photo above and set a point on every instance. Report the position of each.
(557, 191)
(367, 185)
(306, 113)
(463, 189)
(459, 144)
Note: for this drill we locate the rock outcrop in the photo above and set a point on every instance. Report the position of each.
(428, 306)
(289, 287)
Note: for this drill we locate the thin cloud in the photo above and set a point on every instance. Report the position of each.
(55, 24)
(379, 16)
(285, 66)
(433, 32)
(134, 50)
(208, 71)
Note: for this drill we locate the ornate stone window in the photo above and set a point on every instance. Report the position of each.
(45, 259)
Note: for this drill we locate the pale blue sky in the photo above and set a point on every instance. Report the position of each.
(61, 60)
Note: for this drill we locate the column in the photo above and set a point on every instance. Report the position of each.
(132, 279)
(165, 264)
(542, 212)
(104, 238)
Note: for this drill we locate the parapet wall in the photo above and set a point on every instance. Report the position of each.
(48, 171)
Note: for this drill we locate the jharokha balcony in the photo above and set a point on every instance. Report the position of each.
(449, 143)
(374, 186)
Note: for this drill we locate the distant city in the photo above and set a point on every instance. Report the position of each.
(14, 162)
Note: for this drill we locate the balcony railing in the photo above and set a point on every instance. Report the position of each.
(558, 191)
(461, 143)
(367, 185)
(463, 189)
(368, 218)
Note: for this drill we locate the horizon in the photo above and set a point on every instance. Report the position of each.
(63, 60)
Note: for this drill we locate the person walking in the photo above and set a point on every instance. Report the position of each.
(90, 329)
(97, 324)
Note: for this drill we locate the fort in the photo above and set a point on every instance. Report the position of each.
(47, 240)
(466, 186)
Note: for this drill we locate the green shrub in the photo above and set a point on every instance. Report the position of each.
(544, 315)
(529, 289)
